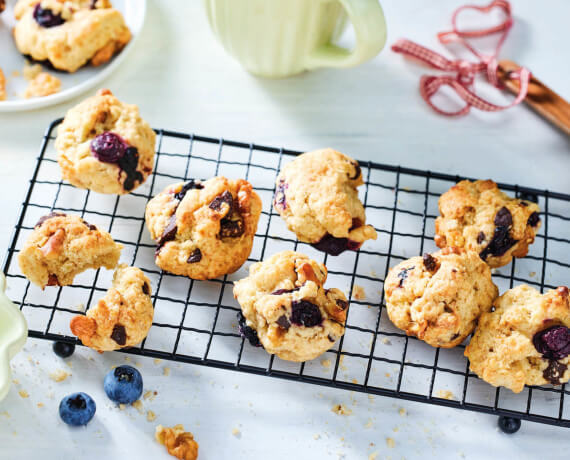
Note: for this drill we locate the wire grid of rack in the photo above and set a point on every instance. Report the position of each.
(195, 321)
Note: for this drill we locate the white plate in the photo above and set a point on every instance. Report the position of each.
(71, 84)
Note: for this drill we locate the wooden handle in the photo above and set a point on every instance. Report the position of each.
(540, 97)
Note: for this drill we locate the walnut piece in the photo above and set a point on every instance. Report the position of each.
(179, 443)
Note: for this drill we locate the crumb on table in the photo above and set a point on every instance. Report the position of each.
(24, 394)
(150, 416)
(358, 292)
(31, 71)
(166, 371)
(236, 432)
(341, 409)
(402, 412)
(445, 394)
(42, 85)
(390, 443)
(326, 363)
(138, 405)
(59, 375)
(178, 443)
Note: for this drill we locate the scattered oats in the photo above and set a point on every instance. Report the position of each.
(150, 395)
(59, 376)
(166, 371)
(373, 456)
(390, 443)
(24, 394)
(386, 341)
(369, 423)
(326, 362)
(5, 414)
(138, 405)
(31, 71)
(316, 436)
(40, 405)
(402, 412)
(532, 274)
(150, 416)
(69, 364)
(358, 292)
(340, 409)
(157, 361)
(236, 433)
(122, 406)
(445, 394)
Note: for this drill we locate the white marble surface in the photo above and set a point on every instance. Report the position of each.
(183, 80)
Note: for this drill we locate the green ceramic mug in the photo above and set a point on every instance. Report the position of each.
(278, 38)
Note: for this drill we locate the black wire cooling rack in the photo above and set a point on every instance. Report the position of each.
(195, 321)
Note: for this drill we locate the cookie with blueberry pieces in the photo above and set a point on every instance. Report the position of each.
(477, 216)
(438, 297)
(287, 310)
(204, 229)
(122, 318)
(316, 194)
(62, 246)
(104, 145)
(524, 339)
(69, 34)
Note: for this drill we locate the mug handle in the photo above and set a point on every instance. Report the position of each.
(369, 25)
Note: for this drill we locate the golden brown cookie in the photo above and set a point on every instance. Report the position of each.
(178, 443)
(438, 297)
(62, 246)
(104, 145)
(287, 310)
(204, 229)
(122, 318)
(523, 340)
(316, 195)
(477, 216)
(71, 33)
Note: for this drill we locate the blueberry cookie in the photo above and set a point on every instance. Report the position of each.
(477, 216)
(524, 339)
(122, 318)
(62, 246)
(438, 297)
(104, 145)
(316, 196)
(70, 33)
(286, 309)
(205, 229)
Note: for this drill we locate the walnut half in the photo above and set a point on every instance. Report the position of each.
(179, 443)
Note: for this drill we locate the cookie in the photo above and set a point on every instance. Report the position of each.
(62, 246)
(104, 145)
(71, 33)
(438, 297)
(122, 318)
(477, 216)
(286, 309)
(524, 339)
(316, 195)
(205, 229)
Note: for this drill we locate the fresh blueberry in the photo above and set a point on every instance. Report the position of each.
(46, 17)
(63, 349)
(509, 425)
(77, 409)
(123, 385)
(108, 147)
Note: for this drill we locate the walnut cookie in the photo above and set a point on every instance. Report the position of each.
(477, 216)
(204, 229)
(316, 195)
(62, 246)
(69, 33)
(104, 145)
(287, 310)
(178, 443)
(122, 318)
(523, 340)
(438, 297)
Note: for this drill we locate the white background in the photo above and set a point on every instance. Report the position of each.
(182, 79)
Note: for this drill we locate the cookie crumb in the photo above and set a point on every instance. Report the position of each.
(390, 443)
(15, 73)
(373, 456)
(138, 405)
(236, 433)
(122, 406)
(386, 341)
(150, 395)
(59, 376)
(42, 85)
(387, 375)
(340, 409)
(5, 414)
(166, 371)
(157, 361)
(178, 443)
(445, 394)
(355, 381)
(150, 416)
(24, 394)
(532, 274)
(369, 423)
(326, 363)
(16, 382)
(316, 436)
(29, 72)
(402, 412)
(358, 292)
(40, 405)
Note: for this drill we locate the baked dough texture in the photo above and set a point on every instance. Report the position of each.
(62, 246)
(316, 194)
(96, 117)
(479, 217)
(523, 340)
(438, 297)
(287, 310)
(122, 318)
(204, 229)
(71, 33)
